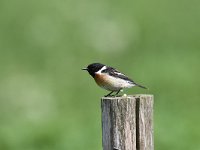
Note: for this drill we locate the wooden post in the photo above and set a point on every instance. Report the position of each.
(127, 122)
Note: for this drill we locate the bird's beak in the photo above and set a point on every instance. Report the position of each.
(84, 68)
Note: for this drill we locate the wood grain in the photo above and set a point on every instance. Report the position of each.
(127, 122)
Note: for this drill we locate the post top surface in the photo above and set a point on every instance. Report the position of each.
(128, 96)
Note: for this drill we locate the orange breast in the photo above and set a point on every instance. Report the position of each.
(108, 83)
(101, 80)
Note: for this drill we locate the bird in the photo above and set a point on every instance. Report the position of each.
(110, 78)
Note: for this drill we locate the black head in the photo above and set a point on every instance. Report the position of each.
(92, 68)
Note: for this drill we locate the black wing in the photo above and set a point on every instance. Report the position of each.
(115, 73)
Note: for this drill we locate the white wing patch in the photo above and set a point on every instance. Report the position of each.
(119, 73)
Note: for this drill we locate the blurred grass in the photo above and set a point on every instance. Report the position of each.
(47, 102)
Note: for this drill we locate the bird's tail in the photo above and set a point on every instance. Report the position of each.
(141, 86)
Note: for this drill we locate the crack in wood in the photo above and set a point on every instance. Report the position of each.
(137, 113)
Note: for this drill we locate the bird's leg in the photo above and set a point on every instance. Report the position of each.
(117, 92)
(109, 94)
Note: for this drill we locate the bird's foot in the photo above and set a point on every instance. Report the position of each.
(114, 95)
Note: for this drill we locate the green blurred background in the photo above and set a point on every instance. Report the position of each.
(48, 103)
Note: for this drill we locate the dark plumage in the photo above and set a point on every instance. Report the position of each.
(92, 68)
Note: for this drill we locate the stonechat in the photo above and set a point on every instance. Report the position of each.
(109, 78)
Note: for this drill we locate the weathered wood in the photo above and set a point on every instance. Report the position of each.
(144, 106)
(127, 122)
(118, 123)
